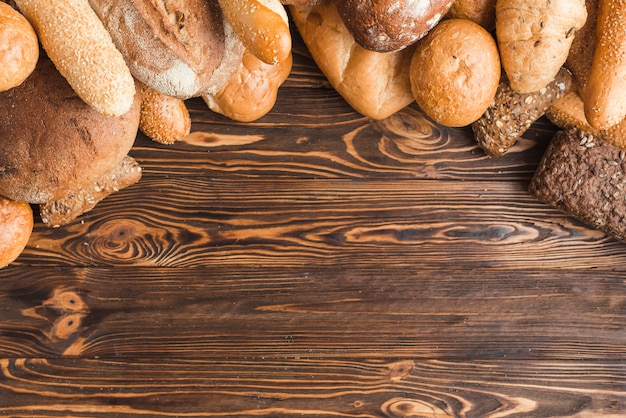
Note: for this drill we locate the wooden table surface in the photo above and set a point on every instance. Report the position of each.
(317, 263)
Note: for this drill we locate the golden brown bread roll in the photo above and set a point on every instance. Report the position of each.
(19, 49)
(455, 72)
(16, 226)
(390, 25)
(83, 52)
(252, 90)
(375, 84)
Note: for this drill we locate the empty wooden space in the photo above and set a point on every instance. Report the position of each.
(317, 263)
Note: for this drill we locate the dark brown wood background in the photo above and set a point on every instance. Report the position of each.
(317, 263)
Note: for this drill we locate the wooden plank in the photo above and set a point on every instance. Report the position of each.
(318, 144)
(219, 312)
(195, 221)
(310, 387)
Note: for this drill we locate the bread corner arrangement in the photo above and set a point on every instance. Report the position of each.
(96, 72)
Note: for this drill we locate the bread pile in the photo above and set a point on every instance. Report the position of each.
(108, 69)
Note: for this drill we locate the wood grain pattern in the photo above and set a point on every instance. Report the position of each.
(316, 263)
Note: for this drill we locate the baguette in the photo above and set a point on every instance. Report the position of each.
(604, 98)
(83, 52)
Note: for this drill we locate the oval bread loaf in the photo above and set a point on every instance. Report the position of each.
(83, 52)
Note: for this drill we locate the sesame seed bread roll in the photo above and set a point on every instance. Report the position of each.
(83, 52)
(262, 26)
(604, 98)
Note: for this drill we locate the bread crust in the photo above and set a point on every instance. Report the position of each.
(455, 72)
(375, 84)
(19, 50)
(16, 226)
(390, 25)
(66, 147)
(181, 48)
(164, 119)
(82, 50)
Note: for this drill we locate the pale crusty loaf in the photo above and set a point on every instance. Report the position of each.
(83, 52)
(534, 38)
(54, 143)
(181, 48)
(375, 84)
(19, 49)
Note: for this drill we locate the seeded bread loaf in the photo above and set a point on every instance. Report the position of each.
(16, 226)
(511, 114)
(584, 177)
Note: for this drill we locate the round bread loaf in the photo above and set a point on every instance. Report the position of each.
(390, 25)
(180, 48)
(455, 72)
(19, 49)
(52, 142)
(16, 226)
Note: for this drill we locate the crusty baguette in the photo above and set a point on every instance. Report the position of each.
(262, 26)
(164, 119)
(252, 90)
(604, 95)
(83, 52)
(375, 84)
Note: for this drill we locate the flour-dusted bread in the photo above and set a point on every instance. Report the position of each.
(375, 84)
(181, 48)
(584, 177)
(52, 142)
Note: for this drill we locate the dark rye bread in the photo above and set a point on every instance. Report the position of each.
(585, 178)
(52, 142)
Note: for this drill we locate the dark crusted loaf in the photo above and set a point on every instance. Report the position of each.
(585, 178)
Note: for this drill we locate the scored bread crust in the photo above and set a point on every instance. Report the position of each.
(181, 48)
(375, 84)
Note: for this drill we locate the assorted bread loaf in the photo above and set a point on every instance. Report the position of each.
(109, 69)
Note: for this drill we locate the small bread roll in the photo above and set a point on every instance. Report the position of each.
(455, 72)
(19, 49)
(16, 226)
(164, 119)
(251, 92)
